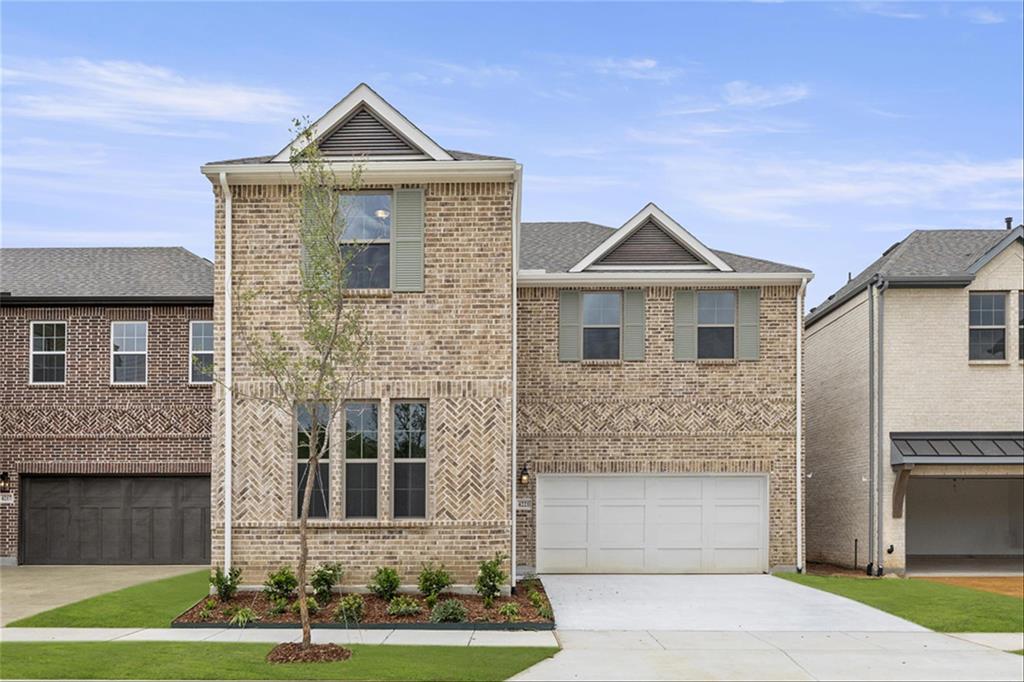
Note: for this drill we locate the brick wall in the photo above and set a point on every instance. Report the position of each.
(449, 346)
(88, 426)
(660, 415)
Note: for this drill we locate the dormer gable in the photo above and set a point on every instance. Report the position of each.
(651, 240)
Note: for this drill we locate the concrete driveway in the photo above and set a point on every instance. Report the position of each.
(26, 590)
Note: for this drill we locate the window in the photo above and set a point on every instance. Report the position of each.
(1020, 325)
(319, 503)
(987, 328)
(410, 441)
(716, 324)
(49, 353)
(200, 342)
(128, 352)
(602, 325)
(365, 225)
(361, 461)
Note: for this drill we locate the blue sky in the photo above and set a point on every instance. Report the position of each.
(812, 134)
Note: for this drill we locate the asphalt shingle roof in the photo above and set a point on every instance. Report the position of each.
(557, 246)
(146, 272)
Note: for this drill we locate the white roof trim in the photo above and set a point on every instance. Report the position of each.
(535, 278)
(1011, 236)
(665, 222)
(363, 95)
(373, 171)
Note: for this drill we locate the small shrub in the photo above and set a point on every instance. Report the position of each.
(350, 609)
(490, 578)
(536, 598)
(404, 605)
(448, 611)
(243, 617)
(226, 585)
(311, 604)
(208, 607)
(530, 584)
(433, 581)
(509, 611)
(385, 583)
(281, 584)
(545, 612)
(278, 606)
(323, 580)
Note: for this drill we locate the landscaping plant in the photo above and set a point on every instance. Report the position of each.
(323, 580)
(350, 609)
(448, 611)
(278, 605)
(490, 578)
(226, 584)
(311, 604)
(385, 583)
(509, 611)
(208, 606)
(243, 617)
(404, 605)
(432, 582)
(280, 584)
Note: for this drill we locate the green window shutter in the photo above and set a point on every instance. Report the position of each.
(633, 325)
(569, 326)
(407, 241)
(748, 328)
(685, 345)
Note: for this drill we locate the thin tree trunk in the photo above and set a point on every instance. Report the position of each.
(312, 470)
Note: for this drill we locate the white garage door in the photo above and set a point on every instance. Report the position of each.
(652, 524)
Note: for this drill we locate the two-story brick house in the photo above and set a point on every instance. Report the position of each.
(105, 405)
(579, 398)
(915, 409)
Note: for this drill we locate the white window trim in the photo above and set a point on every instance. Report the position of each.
(145, 354)
(390, 241)
(1003, 327)
(346, 461)
(32, 353)
(395, 461)
(191, 352)
(735, 323)
(584, 326)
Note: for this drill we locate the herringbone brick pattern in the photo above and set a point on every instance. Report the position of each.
(471, 476)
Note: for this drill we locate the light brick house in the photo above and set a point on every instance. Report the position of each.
(579, 398)
(105, 408)
(915, 409)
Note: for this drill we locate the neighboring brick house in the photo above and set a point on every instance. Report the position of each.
(915, 409)
(104, 406)
(684, 385)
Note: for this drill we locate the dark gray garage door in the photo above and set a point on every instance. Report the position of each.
(115, 520)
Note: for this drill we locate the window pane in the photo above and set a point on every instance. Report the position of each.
(202, 336)
(600, 343)
(361, 490)
(361, 431)
(369, 267)
(410, 490)
(988, 310)
(48, 337)
(603, 308)
(304, 423)
(129, 336)
(364, 216)
(47, 368)
(716, 307)
(410, 438)
(202, 367)
(988, 344)
(715, 342)
(319, 503)
(129, 368)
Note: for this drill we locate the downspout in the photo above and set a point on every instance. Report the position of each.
(517, 191)
(228, 371)
(880, 445)
(869, 567)
(799, 428)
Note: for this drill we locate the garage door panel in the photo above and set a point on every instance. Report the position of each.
(736, 535)
(675, 535)
(565, 535)
(674, 488)
(90, 534)
(619, 560)
(675, 560)
(727, 488)
(619, 488)
(559, 560)
(58, 530)
(735, 513)
(566, 489)
(736, 560)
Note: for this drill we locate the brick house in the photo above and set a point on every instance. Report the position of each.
(915, 409)
(105, 398)
(580, 398)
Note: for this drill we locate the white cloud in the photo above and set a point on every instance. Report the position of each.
(626, 68)
(983, 15)
(135, 97)
(451, 73)
(750, 96)
(889, 10)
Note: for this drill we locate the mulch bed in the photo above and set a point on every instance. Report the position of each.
(375, 610)
(314, 653)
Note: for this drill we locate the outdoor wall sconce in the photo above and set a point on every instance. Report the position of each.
(5, 482)
(524, 476)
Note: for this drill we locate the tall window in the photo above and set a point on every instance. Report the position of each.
(200, 341)
(365, 225)
(410, 452)
(319, 504)
(361, 460)
(1020, 325)
(988, 326)
(716, 324)
(128, 344)
(49, 353)
(602, 325)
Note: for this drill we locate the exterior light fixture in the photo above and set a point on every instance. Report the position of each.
(5, 482)
(383, 213)
(524, 476)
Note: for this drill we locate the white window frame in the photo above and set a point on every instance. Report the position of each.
(735, 322)
(584, 326)
(425, 460)
(1003, 327)
(145, 354)
(390, 241)
(192, 352)
(33, 353)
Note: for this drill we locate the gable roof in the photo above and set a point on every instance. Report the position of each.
(158, 274)
(926, 258)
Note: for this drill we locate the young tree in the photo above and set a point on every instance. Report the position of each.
(314, 377)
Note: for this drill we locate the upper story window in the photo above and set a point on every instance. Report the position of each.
(716, 324)
(987, 326)
(200, 342)
(49, 353)
(365, 219)
(128, 351)
(410, 460)
(602, 325)
(319, 503)
(361, 460)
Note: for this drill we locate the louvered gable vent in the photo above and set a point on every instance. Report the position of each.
(650, 245)
(363, 134)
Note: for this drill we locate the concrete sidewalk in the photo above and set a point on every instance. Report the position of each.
(277, 635)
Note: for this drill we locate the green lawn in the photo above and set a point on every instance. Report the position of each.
(149, 605)
(225, 661)
(945, 608)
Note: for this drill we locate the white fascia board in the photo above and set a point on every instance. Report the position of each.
(674, 229)
(1011, 236)
(372, 171)
(363, 94)
(533, 278)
